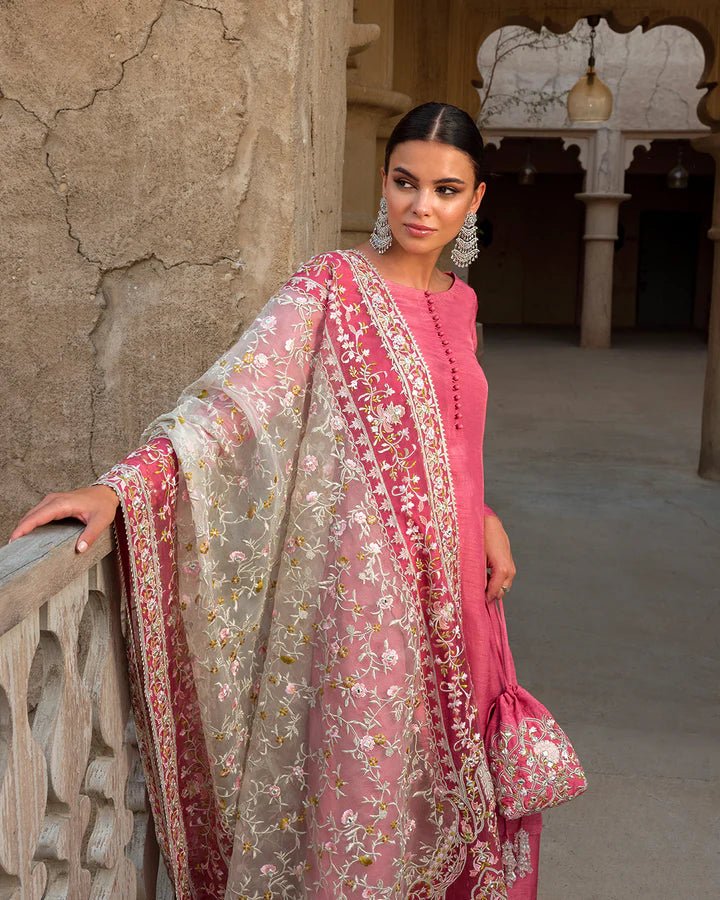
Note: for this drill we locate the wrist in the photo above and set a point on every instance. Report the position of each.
(109, 492)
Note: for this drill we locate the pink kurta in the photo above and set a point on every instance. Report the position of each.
(443, 324)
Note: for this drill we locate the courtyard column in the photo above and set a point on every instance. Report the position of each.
(370, 100)
(601, 220)
(709, 465)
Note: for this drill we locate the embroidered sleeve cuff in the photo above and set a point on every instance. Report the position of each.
(112, 480)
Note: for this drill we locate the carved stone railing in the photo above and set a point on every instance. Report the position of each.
(72, 795)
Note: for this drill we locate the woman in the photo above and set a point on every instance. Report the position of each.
(304, 546)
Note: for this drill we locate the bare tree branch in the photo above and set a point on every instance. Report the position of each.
(509, 41)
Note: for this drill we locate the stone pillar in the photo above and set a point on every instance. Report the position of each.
(370, 100)
(709, 464)
(601, 218)
(367, 107)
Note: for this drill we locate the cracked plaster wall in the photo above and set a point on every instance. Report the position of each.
(166, 166)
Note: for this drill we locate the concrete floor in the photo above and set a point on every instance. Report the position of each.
(591, 462)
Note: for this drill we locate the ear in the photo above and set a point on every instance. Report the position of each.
(383, 175)
(478, 194)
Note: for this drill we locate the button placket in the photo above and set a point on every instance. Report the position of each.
(444, 341)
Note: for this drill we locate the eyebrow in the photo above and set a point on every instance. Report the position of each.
(437, 180)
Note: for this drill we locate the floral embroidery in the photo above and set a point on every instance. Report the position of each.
(316, 585)
(537, 755)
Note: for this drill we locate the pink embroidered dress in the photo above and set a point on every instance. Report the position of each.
(443, 324)
(310, 654)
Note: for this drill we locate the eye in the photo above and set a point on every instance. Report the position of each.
(445, 187)
(401, 182)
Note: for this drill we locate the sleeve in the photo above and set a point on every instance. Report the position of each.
(473, 328)
(201, 521)
(263, 377)
(487, 510)
(157, 453)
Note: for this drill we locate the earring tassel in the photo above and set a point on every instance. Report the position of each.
(466, 243)
(381, 237)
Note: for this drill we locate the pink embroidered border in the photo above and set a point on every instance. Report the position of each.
(381, 366)
(189, 828)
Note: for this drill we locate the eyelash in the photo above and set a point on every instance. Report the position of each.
(444, 187)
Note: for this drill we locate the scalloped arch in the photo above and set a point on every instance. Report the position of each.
(472, 22)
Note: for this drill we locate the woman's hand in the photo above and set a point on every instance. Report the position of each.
(94, 505)
(499, 558)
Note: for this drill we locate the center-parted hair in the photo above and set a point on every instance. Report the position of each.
(442, 122)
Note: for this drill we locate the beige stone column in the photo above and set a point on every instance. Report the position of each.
(709, 464)
(367, 107)
(370, 100)
(601, 219)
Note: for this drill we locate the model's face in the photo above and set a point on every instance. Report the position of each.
(429, 188)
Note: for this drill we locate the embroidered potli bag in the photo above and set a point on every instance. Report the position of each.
(532, 762)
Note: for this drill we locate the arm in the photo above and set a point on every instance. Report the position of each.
(253, 390)
(498, 554)
(261, 380)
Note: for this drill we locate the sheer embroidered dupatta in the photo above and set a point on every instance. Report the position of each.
(289, 544)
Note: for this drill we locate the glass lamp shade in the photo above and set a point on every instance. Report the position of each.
(526, 175)
(590, 100)
(677, 177)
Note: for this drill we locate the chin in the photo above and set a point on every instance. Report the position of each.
(419, 248)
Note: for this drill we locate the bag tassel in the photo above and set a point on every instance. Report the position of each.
(522, 852)
(516, 857)
(509, 862)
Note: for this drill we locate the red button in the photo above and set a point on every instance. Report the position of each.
(458, 424)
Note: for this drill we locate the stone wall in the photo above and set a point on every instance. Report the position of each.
(166, 166)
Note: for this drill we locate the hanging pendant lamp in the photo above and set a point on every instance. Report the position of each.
(590, 100)
(526, 175)
(677, 177)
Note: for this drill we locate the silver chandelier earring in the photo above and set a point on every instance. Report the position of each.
(466, 244)
(381, 238)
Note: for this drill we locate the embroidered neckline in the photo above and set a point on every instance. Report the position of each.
(388, 281)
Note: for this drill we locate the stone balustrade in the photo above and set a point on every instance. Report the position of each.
(73, 810)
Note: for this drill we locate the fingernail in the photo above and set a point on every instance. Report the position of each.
(82, 546)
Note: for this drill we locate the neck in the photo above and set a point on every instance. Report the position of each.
(413, 269)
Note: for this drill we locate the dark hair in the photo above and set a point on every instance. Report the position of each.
(440, 122)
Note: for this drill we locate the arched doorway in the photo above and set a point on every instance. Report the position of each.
(435, 47)
(535, 227)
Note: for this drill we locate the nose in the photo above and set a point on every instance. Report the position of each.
(422, 205)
